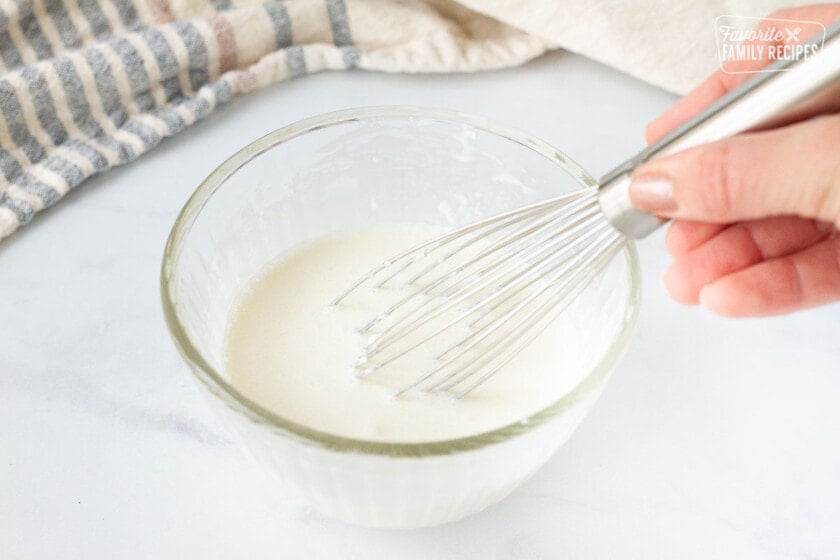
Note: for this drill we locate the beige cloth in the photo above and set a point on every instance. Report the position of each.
(668, 43)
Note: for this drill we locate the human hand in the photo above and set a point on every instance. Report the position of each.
(756, 215)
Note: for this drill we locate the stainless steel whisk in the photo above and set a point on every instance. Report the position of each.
(498, 283)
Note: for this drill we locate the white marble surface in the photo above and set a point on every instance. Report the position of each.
(715, 439)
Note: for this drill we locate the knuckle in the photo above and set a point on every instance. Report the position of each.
(825, 200)
(717, 180)
(827, 129)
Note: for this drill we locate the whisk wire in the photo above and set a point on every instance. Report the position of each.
(521, 278)
(527, 332)
(494, 285)
(548, 288)
(424, 249)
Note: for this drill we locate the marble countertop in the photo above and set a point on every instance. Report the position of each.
(715, 438)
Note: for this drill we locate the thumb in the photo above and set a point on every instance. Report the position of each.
(791, 170)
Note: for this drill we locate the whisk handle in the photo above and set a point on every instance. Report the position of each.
(765, 99)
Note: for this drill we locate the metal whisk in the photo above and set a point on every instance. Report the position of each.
(495, 285)
(501, 280)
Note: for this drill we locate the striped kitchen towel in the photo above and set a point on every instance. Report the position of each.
(86, 85)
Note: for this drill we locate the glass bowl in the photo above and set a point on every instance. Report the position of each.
(342, 171)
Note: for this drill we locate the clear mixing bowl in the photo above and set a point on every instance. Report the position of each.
(346, 170)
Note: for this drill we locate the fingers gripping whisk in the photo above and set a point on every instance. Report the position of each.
(476, 297)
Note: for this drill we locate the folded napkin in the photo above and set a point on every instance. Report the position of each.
(86, 85)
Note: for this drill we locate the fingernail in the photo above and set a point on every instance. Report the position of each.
(653, 194)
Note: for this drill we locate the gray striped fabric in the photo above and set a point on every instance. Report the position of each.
(86, 85)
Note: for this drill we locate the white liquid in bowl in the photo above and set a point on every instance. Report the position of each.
(292, 353)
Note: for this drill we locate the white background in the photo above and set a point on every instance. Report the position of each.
(715, 438)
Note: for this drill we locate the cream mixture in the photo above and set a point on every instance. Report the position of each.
(293, 353)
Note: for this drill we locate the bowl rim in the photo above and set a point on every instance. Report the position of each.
(256, 413)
